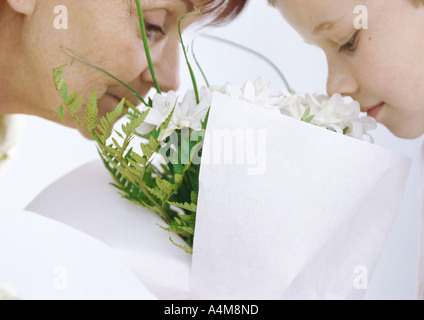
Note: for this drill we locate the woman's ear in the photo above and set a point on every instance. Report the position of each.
(25, 7)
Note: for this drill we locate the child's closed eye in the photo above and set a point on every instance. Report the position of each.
(351, 45)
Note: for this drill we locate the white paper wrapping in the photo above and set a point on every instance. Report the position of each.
(310, 224)
(85, 200)
(289, 211)
(45, 260)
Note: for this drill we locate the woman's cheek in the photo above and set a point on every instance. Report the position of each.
(128, 60)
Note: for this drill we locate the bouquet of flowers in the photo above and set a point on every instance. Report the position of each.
(163, 175)
(323, 206)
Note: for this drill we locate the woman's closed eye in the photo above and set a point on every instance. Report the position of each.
(351, 45)
(153, 32)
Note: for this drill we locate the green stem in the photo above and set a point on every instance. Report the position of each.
(107, 73)
(146, 46)
(198, 64)
(162, 213)
(193, 78)
(259, 55)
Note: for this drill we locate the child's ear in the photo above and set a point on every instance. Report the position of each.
(25, 7)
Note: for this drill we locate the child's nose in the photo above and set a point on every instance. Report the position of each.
(340, 80)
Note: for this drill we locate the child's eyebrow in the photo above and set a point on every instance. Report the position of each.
(325, 26)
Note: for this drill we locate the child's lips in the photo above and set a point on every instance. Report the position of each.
(373, 111)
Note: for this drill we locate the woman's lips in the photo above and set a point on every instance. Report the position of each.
(374, 111)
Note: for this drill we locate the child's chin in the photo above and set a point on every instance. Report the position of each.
(407, 132)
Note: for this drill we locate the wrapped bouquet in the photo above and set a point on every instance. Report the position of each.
(173, 133)
(317, 205)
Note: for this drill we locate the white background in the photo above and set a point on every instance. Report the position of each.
(48, 150)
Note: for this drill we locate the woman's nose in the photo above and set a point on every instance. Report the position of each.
(340, 80)
(168, 66)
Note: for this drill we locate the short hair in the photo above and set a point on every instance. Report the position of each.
(221, 11)
(417, 3)
(217, 12)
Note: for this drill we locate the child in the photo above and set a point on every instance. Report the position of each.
(375, 54)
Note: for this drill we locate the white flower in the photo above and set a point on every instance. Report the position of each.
(252, 92)
(188, 114)
(294, 106)
(359, 128)
(161, 109)
(332, 113)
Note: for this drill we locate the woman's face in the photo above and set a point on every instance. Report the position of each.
(107, 34)
(382, 67)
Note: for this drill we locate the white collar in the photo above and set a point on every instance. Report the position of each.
(10, 135)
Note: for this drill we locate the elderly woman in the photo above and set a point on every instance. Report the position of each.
(106, 33)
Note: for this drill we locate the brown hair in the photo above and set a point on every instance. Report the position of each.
(417, 3)
(217, 12)
(221, 11)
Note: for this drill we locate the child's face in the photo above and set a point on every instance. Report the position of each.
(382, 67)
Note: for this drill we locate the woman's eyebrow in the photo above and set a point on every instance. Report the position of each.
(189, 4)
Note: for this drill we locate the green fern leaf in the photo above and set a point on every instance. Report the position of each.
(58, 78)
(106, 123)
(186, 206)
(64, 91)
(185, 248)
(153, 144)
(147, 152)
(91, 113)
(119, 134)
(179, 231)
(112, 151)
(194, 197)
(113, 116)
(74, 107)
(189, 219)
(117, 145)
(70, 99)
(77, 120)
(178, 178)
(159, 134)
(182, 228)
(205, 121)
(165, 186)
(157, 193)
(138, 158)
(60, 112)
